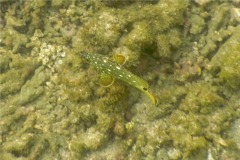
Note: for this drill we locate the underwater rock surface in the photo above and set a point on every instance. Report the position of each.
(53, 107)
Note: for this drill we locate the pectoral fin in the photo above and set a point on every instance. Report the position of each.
(119, 59)
(106, 80)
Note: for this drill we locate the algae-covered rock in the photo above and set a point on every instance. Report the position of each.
(31, 89)
(227, 60)
(198, 24)
(19, 145)
(168, 42)
(52, 105)
(17, 71)
(201, 98)
(4, 63)
(139, 38)
(91, 140)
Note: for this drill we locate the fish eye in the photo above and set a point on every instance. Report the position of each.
(145, 89)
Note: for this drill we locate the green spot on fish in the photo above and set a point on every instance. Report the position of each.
(117, 71)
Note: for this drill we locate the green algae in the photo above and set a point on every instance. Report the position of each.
(227, 60)
(15, 73)
(52, 106)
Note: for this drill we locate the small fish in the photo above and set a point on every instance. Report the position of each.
(117, 71)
